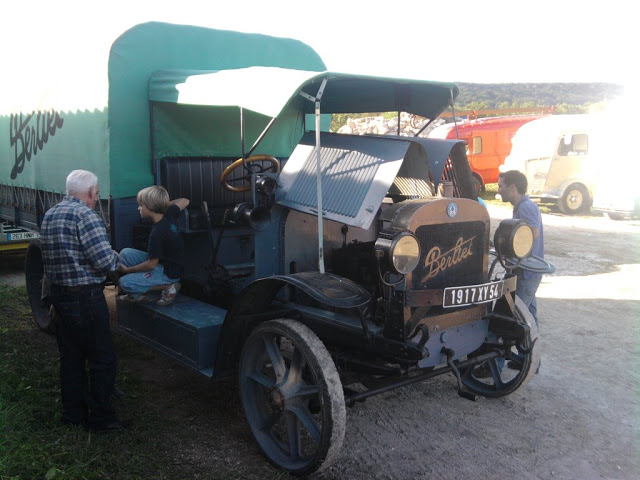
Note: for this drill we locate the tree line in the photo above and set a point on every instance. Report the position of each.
(565, 97)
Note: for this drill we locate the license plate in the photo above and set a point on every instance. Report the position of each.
(22, 235)
(472, 294)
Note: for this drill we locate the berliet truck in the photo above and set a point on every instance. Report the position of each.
(321, 268)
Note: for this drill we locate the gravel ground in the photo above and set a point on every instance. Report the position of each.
(577, 419)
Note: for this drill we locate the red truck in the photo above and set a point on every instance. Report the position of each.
(488, 142)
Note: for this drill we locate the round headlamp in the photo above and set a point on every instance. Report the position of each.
(513, 238)
(401, 250)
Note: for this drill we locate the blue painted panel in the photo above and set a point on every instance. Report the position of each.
(187, 330)
(125, 215)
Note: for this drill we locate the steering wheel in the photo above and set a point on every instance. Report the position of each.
(274, 167)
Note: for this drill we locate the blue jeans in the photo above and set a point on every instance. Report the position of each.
(526, 289)
(141, 282)
(84, 336)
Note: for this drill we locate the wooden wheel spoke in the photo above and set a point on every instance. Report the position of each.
(293, 435)
(277, 361)
(306, 391)
(261, 379)
(307, 420)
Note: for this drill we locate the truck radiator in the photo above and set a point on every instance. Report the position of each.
(452, 255)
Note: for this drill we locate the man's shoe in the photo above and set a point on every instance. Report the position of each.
(81, 423)
(117, 426)
(117, 394)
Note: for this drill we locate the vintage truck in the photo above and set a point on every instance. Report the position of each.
(322, 269)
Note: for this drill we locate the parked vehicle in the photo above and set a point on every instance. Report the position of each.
(487, 140)
(14, 239)
(315, 260)
(616, 192)
(554, 153)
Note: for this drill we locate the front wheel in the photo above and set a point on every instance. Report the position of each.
(491, 379)
(292, 396)
(575, 199)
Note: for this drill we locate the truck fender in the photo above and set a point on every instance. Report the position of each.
(252, 307)
(570, 181)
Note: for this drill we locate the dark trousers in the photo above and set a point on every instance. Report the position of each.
(84, 337)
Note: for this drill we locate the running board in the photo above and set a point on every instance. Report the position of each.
(187, 330)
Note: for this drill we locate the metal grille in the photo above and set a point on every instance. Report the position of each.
(452, 255)
(346, 176)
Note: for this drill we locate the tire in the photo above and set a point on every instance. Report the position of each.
(507, 381)
(574, 200)
(478, 188)
(38, 289)
(615, 216)
(292, 396)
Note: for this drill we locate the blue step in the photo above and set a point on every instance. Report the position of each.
(187, 330)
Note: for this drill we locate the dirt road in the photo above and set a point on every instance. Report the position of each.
(577, 419)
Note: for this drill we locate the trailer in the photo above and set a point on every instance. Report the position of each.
(315, 261)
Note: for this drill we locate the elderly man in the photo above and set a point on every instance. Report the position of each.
(77, 256)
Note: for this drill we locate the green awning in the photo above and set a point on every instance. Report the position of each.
(271, 90)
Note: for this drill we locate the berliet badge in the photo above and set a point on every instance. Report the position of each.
(452, 209)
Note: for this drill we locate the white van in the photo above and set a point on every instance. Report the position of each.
(553, 152)
(616, 192)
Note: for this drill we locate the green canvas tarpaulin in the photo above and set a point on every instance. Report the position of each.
(197, 113)
(109, 131)
(151, 47)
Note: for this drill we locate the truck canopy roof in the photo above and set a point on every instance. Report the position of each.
(271, 90)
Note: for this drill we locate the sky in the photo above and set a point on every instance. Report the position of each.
(47, 46)
(491, 41)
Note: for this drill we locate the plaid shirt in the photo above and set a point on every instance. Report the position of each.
(75, 247)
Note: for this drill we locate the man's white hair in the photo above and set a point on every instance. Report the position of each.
(80, 182)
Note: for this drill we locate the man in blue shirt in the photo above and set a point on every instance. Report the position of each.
(77, 256)
(512, 187)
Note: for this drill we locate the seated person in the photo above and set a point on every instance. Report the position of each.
(161, 267)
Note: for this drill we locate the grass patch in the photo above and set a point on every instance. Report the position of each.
(185, 426)
(33, 442)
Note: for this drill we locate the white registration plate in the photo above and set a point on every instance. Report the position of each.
(22, 235)
(473, 294)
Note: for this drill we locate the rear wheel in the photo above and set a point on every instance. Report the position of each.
(515, 373)
(478, 188)
(575, 199)
(38, 289)
(292, 396)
